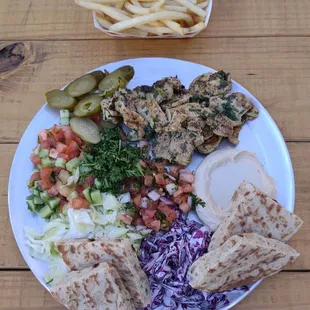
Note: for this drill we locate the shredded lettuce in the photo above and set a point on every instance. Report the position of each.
(98, 221)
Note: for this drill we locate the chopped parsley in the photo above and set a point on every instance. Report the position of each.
(197, 201)
(110, 161)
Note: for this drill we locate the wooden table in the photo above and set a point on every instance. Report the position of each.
(265, 44)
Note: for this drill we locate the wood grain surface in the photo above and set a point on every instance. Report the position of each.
(265, 44)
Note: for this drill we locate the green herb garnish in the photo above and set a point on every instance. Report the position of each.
(197, 201)
(110, 161)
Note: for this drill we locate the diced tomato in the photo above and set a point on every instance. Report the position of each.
(159, 178)
(125, 218)
(43, 135)
(187, 176)
(61, 148)
(155, 225)
(143, 164)
(149, 212)
(168, 212)
(178, 192)
(64, 156)
(148, 180)
(174, 170)
(89, 181)
(46, 182)
(134, 188)
(53, 153)
(78, 203)
(96, 118)
(52, 191)
(184, 207)
(187, 188)
(158, 167)
(144, 190)
(73, 150)
(71, 136)
(137, 200)
(35, 159)
(139, 221)
(180, 199)
(57, 169)
(77, 139)
(57, 133)
(79, 189)
(35, 177)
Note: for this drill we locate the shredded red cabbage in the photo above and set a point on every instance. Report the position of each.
(166, 257)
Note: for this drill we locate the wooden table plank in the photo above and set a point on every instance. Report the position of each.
(21, 290)
(275, 70)
(62, 19)
(300, 152)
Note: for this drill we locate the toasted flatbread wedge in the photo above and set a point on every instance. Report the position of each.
(99, 287)
(241, 260)
(253, 211)
(82, 253)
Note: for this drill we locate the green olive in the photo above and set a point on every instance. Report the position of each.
(60, 99)
(88, 106)
(82, 85)
(86, 129)
(99, 75)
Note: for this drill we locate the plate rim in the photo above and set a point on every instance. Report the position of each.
(282, 142)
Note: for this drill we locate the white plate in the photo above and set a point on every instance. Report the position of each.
(261, 136)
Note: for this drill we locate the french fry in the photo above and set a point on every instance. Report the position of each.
(174, 26)
(149, 17)
(136, 9)
(194, 8)
(138, 21)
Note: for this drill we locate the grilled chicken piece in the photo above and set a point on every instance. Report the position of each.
(158, 119)
(142, 108)
(166, 88)
(233, 106)
(209, 145)
(177, 100)
(176, 122)
(211, 84)
(144, 92)
(108, 111)
(234, 138)
(176, 147)
(124, 104)
(251, 114)
(193, 109)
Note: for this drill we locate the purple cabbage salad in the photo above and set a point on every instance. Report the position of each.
(166, 258)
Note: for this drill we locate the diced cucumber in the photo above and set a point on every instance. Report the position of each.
(73, 163)
(37, 200)
(36, 184)
(46, 162)
(64, 121)
(73, 195)
(96, 197)
(28, 183)
(64, 210)
(36, 192)
(46, 212)
(43, 153)
(44, 196)
(39, 166)
(36, 151)
(86, 193)
(54, 202)
(64, 113)
(60, 162)
(97, 184)
(30, 197)
(31, 205)
(34, 171)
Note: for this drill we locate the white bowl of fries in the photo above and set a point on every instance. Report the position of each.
(149, 18)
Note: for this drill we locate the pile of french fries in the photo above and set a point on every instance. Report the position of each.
(149, 17)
